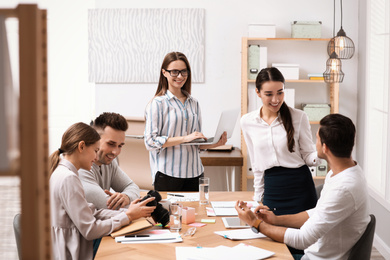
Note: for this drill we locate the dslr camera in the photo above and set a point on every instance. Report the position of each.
(160, 214)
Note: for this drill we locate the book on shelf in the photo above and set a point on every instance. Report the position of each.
(316, 76)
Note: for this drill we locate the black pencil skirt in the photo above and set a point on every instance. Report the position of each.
(289, 190)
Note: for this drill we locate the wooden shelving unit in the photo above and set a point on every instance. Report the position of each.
(333, 88)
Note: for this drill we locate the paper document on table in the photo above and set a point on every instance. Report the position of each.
(210, 212)
(150, 236)
(239, 234)
(225, 212)
(227, 208)
(232, 204)
(187, 196)
(240, 251)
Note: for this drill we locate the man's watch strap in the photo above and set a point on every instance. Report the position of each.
(256, 226)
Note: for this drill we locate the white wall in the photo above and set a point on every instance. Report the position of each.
(226, 22)
(71, 96)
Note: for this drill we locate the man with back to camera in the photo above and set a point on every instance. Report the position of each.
(341, 216)
(105, 172)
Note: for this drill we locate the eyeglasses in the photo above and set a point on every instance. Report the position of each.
(175, 73)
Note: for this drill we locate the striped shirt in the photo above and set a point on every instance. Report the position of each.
(166, 116)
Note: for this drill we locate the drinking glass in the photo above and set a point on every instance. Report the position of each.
(175, 217)
(204, 184)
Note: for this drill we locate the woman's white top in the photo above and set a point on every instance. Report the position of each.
(166, 116)
(267, 145)
(75, 223)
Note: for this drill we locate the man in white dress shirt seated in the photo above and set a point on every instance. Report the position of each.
(105, 172)
(332, 228)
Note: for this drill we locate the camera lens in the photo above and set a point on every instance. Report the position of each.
(160, 214)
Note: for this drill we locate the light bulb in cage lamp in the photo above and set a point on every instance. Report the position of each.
(342, 45)
(333, 73)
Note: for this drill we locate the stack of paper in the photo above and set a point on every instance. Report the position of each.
(188, 196)
(316, 76)
(227, 208)
(240, 251)
(239, 234)
(150, 236)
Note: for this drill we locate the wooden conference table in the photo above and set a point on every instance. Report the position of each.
(204, 237)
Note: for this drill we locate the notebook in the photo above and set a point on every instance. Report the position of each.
(227, 208)
(136, 225)
(227, 122)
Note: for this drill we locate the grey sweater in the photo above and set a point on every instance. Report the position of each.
(103, 178)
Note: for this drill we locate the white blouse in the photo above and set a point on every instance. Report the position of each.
(267, 145)
(74, 222)
(166, 116)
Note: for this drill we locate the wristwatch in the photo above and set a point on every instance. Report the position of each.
(255, 227)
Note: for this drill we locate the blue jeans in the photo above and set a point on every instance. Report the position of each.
(96, 244)
(297, 256)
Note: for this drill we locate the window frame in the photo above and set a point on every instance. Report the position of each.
(382, 193)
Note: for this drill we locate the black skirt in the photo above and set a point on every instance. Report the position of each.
(289, 190)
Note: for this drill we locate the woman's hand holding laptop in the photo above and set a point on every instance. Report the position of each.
(222, 141)
(194, 136)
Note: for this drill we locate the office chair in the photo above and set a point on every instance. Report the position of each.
(318, 190)
(362, 249)
(17, 233)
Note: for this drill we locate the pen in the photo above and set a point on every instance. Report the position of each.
(176, 195)
(137, 236)
(273, 209)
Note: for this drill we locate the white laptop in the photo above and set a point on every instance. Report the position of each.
(227, 122)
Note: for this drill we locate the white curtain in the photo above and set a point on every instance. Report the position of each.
(8, 104)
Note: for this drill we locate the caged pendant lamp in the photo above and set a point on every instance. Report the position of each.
(333, 72)
(341, 44)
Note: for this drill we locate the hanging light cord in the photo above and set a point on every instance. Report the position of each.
(334, 15)
(341, 10)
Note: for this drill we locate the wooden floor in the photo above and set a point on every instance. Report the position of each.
(375, 255)
(10, 206)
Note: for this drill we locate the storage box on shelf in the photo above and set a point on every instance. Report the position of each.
(333, 88)
(261, 30)
(306, 29)
(289, 71)
(316, 112)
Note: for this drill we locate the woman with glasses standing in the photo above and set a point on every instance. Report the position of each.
(173, 117)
